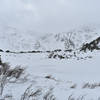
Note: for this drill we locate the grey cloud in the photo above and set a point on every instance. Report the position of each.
(49, 15)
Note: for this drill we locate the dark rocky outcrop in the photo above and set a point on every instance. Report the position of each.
(1, 50)
(93, 45)
(8, 51)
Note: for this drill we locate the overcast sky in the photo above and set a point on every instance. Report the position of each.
(49, 15)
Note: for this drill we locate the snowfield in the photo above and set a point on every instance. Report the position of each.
(58, 79)
(54, 74)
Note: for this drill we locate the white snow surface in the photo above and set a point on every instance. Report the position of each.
(65, 73)
(68, 76)
(19, 40)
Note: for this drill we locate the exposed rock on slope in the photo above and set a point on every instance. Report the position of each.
(93, 45)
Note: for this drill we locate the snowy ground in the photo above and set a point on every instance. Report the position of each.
(67, 77)
(75, 78)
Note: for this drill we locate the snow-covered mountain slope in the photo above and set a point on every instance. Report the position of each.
(68, 40)
(18, 40)
(76, 77)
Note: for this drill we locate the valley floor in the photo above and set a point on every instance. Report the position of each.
(58, 79)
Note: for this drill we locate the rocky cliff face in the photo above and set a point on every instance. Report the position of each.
(93, 45)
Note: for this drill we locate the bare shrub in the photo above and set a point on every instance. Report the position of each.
(49, 95)
(16, 73)
(71, 97)
(7, 74)
(29, 94)
(91, 86)
(68, 41)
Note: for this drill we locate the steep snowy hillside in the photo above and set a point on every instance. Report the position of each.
(67, 40)
(19, 40)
